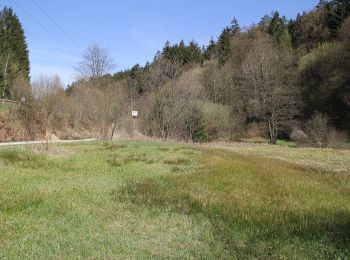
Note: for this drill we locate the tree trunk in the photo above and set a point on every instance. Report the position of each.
(272, 131)
(5, 75)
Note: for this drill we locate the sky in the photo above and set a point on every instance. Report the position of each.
(58, 31)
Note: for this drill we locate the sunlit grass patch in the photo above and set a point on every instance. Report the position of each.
(286, 143)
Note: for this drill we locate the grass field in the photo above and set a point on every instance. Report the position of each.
(149, 200)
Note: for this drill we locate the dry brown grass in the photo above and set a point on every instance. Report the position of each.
(326, 159)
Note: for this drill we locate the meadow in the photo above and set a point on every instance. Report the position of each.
(153, 200)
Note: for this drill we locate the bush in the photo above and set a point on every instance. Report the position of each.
(298, 136)
(216, 120)
(338, 139)
(317, 129)
(256, 130)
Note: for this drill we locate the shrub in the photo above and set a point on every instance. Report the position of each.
(298, 136)
(317, 129)
(338, 139)
(216, 120)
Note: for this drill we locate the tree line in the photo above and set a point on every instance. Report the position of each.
(276, 79)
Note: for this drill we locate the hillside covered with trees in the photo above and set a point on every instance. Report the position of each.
(14, 59)
(279, 78)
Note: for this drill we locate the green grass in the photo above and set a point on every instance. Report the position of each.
(6, 107)
(150, 200)
(286, 143)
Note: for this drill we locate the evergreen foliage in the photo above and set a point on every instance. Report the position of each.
(224, 46)
(13, 51)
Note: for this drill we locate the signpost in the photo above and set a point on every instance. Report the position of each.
(134, 114)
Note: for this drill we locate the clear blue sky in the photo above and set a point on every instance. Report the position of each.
(132, 30)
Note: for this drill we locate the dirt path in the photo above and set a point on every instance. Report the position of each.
(43, 142)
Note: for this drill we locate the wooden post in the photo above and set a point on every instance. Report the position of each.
(46, 139)
(113, 128)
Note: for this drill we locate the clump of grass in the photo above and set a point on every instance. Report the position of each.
(175, 169)
(188, 152)
(165, 149)
(115, 146)
(150, 161)
(22, 158)
(177, 161)
(157, 193)
(135, 158)
(115, 162)
(129, 158)
(21, 202)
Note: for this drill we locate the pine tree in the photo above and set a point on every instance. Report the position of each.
(278, 30)
(194, 53)
(211, 51)
(235, 28)
(337, 12)
(13, 49)
(224, 46)
(264, 23)
(295, 31)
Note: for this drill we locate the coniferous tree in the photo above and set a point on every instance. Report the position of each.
(224, 46)
(295, 31)
(194, 53)
(337, 12)
(235, 28)
(211, 51)
(13, 50)
(278, 30)
(264, 23)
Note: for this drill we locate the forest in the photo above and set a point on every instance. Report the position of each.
(278, 79)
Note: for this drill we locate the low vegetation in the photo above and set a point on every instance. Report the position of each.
(6, 107)
(152, 200)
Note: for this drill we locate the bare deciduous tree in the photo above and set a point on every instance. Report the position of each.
(95, 63)
(268, 76)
